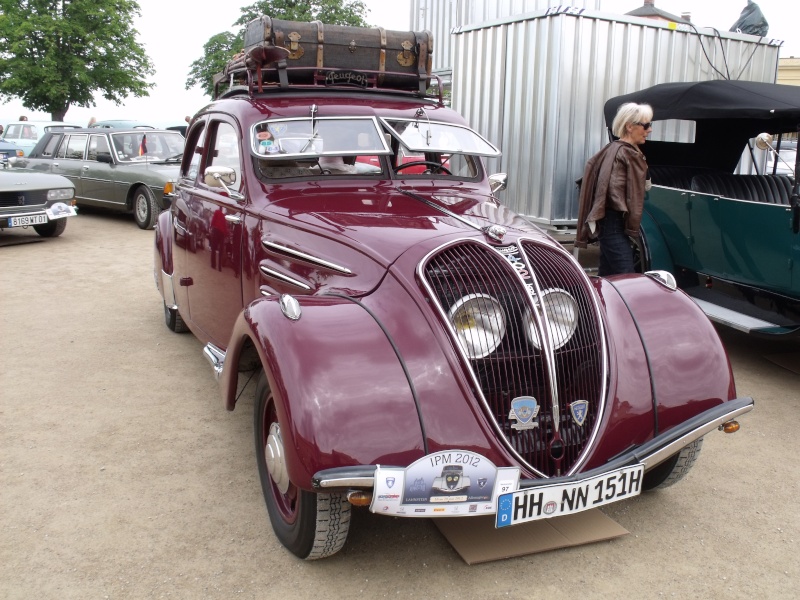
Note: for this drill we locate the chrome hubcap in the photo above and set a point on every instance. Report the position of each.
(276, 462)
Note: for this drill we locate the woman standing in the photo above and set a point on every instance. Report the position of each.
(612, 191)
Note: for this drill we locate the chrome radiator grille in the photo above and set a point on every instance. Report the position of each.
(554, 376)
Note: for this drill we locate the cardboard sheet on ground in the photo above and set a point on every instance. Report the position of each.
(476, 540)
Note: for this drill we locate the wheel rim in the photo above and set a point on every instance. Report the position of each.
(141, 207)
(284, 493)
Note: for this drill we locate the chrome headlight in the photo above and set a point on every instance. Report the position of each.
(479, 323)
(561, 313)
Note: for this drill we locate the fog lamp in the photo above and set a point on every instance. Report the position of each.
(480, 324)
(561, 312)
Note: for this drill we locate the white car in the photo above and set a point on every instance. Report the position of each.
(26, 134)
(38, 200)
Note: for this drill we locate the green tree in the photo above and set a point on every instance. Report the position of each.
(221, 47)
(58, 53)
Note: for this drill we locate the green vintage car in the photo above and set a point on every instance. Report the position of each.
(117, 169)
(723, 213)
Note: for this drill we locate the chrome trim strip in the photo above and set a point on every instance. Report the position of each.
(346, 482)
(216, 357)
(306, 257)
(168, 289)
(281, 277)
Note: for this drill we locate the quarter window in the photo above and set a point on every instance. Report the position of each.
(226, 152)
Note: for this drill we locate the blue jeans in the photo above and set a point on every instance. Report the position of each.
(616, 253)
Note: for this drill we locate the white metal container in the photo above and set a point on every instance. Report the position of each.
(535, 84)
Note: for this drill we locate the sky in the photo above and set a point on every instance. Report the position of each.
(173, 33)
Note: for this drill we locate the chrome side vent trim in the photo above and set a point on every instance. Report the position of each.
(314, 260)
(284, 278)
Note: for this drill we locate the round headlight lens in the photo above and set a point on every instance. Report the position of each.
(562, 317)
(479, 323)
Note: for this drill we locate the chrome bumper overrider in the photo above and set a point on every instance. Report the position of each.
(649, 454)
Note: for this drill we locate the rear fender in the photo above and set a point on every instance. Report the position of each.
(162, 260)
(339, 388)
(655, 252)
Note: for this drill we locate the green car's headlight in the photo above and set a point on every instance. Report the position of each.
(60, 194)
(479, 323)
(561, 312)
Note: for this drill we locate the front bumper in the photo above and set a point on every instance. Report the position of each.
(650, 454)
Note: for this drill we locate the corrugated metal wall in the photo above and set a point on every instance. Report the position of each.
(535, 85)
(441, 16)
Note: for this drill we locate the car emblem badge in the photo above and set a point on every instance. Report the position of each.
(496, 232)
(579, 410)
(524, 410)
(482, 481)
(390, 482)
(21, 200)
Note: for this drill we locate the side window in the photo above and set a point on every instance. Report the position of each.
(13, 132)
(29, 132)
(51, 146)
(194, 147)
(97, 143)
(76, 145)
(225, 152)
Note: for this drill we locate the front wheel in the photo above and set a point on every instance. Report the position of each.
(145, 211)
(310, 525)
(672, 470)
(51, 228)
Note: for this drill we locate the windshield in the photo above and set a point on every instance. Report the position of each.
(308, 138)
(423, 135)
(147, 145)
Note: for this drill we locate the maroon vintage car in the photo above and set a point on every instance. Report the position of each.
(415, 346)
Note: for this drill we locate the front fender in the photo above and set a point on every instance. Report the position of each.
(339, 388)
(162, 259)
(688, 365)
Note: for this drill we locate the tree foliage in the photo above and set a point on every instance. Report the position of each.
(221, 47)
(58, 53)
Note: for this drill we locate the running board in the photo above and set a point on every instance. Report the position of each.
(216, 357)
(731, 318)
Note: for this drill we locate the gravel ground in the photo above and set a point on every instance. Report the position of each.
(122, 475)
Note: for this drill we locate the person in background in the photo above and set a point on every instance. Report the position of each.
(1, 130)
(23, 118)
(92, 121)
(612, 191)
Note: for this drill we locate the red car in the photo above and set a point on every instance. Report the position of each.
(414, 346)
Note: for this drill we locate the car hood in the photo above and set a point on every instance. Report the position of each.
(384, 222)
(11, 179)
(359, 233)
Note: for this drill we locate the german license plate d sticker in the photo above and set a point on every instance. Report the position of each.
(568, 498)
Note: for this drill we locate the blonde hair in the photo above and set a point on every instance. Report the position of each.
(630, 112)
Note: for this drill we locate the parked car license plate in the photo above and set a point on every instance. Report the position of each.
(550, 501)
(27, 220)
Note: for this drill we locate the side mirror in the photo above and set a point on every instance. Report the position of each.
(217, 177)
(105, 157)
(498, 182)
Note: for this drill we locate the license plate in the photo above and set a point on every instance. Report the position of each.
(556, 500)
(27, 220)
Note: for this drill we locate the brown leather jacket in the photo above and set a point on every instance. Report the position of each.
(613, 178)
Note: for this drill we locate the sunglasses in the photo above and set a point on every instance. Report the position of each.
(645, 126)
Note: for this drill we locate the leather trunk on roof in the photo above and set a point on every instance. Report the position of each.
(317, 45)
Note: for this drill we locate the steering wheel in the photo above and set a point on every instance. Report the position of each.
(438, 168)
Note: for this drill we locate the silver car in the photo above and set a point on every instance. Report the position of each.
(124, 170)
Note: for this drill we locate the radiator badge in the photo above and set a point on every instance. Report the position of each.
(579, 410)
(524, 410)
